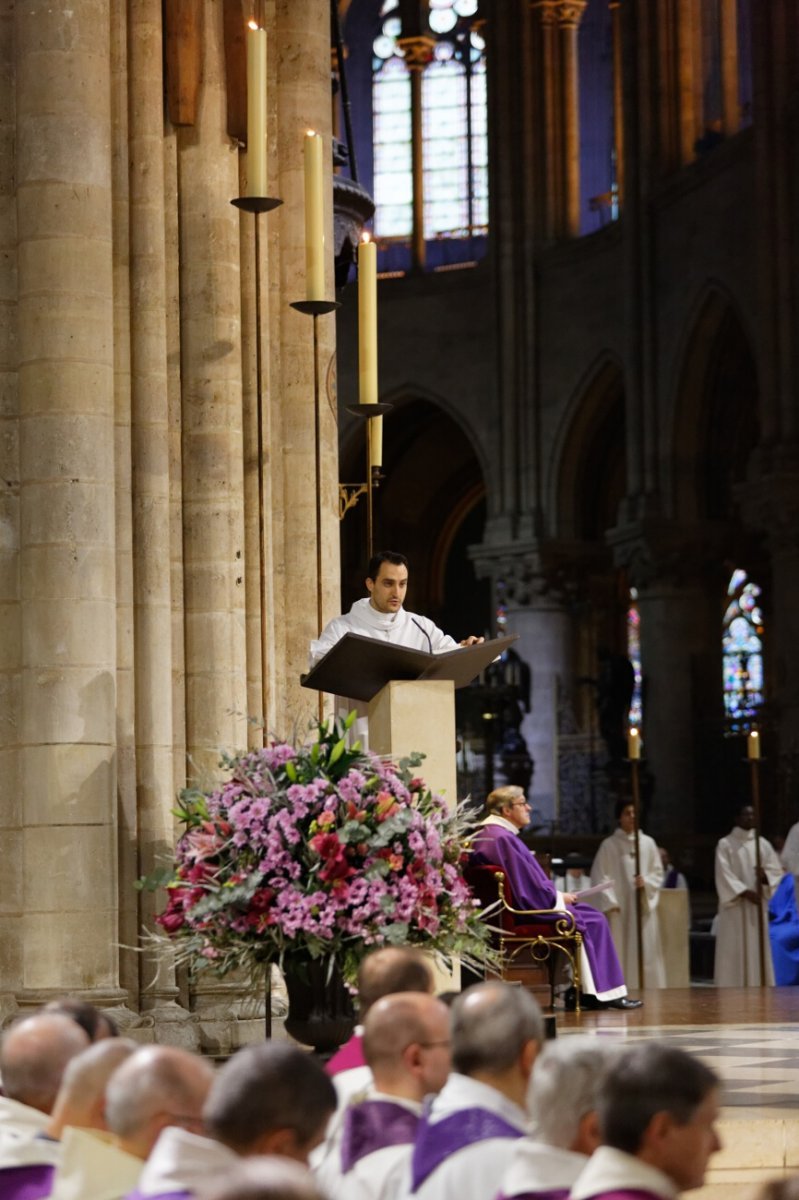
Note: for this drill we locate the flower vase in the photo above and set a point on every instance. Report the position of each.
(321, 1012)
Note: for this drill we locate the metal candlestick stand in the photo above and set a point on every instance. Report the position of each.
(368, 412)
(639, 916)
(754, 768)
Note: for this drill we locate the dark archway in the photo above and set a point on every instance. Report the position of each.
(431, 507)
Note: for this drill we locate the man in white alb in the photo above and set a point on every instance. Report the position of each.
(381, 614)
(737, 945)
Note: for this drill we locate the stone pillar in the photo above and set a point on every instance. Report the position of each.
(418, 52)
(569, 16)
(618, 99)
(10, 662)
(302, 47)
(728, 39)
(67, 570)
(687, 50)
(210, 323)
(152, 615)
(546, 11)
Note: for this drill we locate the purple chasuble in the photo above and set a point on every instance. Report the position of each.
(372, 1126)
(531, 888)
(184, 1195)
(349, 1056)
(672, 875)
(436, 1142)
(558, 1193)
(29, 1182)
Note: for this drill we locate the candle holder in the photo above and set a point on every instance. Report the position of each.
(374, 473)
(635, 767)
(317, 309)
(256, 204)
(755, 762)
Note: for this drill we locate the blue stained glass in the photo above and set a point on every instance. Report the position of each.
(635, 718)
(742, 652)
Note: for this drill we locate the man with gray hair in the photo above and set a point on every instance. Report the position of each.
(562, 1098)
(33, 1058)
(464, 1140)
(657, 1109)
(267, 1099)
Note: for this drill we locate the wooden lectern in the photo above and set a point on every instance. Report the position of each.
(410, 696)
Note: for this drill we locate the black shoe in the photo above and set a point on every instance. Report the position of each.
(623, 1002)
(570, 999)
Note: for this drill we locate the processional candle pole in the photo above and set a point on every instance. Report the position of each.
(256, 201)
(634, 759)
(315, 305)
(754, 760)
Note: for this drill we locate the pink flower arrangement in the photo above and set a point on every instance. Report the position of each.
(317, 851)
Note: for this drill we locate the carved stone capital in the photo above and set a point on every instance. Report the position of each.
(530, 574)
(546, 11)
(658, 552)
(418, 51)
(569, 13)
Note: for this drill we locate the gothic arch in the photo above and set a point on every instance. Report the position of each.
(711, 425)
(588, 473)
(431, 506)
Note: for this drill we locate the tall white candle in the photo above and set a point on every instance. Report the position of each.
(314, 219)
(634, 744)
(256, 110)
(753, 745)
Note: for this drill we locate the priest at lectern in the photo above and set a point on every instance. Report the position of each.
(381, 614)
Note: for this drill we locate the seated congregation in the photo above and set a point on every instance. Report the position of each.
(458, 1102)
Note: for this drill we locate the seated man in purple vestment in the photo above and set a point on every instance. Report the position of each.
(657, 1110)
(464, 1138)
(497, 843)
(407, 1046)
(267, 1099)
(562, 1098)
(35, 1053)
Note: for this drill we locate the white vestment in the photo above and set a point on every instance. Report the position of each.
(790, 851)
(93, 1168)
(737, 948)
(400, 628)
(573, 883)
(381, 1175)
(610, 1170)
(183, 1161)
(615, 860)
(21, 1143)
(535, 1167)
(472, 1173)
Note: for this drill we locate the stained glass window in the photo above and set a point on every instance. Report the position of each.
(454, 126)
(742, 649)
(634, 654)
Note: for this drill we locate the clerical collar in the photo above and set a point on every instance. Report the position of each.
(502, 822)
(365, 610)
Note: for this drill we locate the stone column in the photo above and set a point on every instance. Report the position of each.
(728, 38)
(210, 325)
(546, 11)
(569, 16)
(67, 583)
(302, 43)
(687, 50)
(11, 661)
(618, 98)
(152, 615)
(417, 55)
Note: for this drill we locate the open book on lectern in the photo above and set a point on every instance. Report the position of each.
(359, 666)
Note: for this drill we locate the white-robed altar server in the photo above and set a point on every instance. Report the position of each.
(381, 614)
(562, 1100)
(465, 1136)
(615, 860)
(406, 1044)
(737, 947)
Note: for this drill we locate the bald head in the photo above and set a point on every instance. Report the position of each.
(393, 969)
(157, 1086)
(496, 1029)
(34, 1055)
(81, 1097)
(406, 1043)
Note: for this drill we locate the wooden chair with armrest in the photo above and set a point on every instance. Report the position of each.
(533, 933)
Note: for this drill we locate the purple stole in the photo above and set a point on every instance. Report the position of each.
(350, 1055)
(436, 1142)
(372, 1126)
(671, 878)
(29, 1182)
(625, 1194)
(184, 1195)
(558, 1193)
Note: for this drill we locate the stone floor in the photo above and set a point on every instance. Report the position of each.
(750, 1036)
